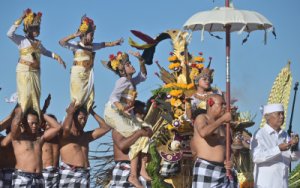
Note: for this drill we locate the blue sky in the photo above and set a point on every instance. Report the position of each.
(254, 65)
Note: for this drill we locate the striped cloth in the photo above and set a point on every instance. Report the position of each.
(27, 179)
(51, 177)
(6, 177)
(120, 176)
(71, 176)
(207, 174)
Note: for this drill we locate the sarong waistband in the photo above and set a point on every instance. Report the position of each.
(65, 166)
(122, 165)
(28, 174)
(210, 162)
(85, 64)
(35, 65)
(123, 161)
(52, 169)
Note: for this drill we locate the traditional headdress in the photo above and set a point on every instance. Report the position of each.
(205, 72)
(116, 62)
(87, 25)
(31, 19)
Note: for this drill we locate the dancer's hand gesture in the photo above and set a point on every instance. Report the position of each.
(60, 61)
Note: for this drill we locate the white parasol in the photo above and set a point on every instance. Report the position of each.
(239, 20)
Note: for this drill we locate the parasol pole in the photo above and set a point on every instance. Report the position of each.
(292, 114)
(228, 137)
(291, 119)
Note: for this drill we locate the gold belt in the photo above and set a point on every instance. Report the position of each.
(34, 65)
(86, 64)
(127, 102)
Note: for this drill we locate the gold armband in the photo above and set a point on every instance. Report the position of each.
(18, 21)
(109, 44)
(55, 56)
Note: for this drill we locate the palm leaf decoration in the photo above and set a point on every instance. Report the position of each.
(280, 92)
(294, 177)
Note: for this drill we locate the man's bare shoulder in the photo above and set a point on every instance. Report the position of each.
(201, 120)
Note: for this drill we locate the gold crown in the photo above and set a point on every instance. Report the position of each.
(32, 19)
(87, 25)
(205, 72)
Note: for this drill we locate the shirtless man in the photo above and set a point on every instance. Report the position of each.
(7, 156)
(208, 145)
(27, 143)
(50, 157)
(7, 160)
(122, 144)
(74, 146)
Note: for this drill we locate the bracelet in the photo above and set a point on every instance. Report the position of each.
(55, 56)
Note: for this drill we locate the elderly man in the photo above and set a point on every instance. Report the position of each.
(270, 147)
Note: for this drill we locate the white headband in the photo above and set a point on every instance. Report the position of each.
(269, 108)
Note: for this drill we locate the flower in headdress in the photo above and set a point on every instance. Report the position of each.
(111, 57)
(39, 14)
(29, 18)
(84, 27)
(87, 24)
(210, 102)
(114, 64)
(113, 61)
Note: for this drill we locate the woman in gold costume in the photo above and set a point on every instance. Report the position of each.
(28, 68)
(82, 76)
